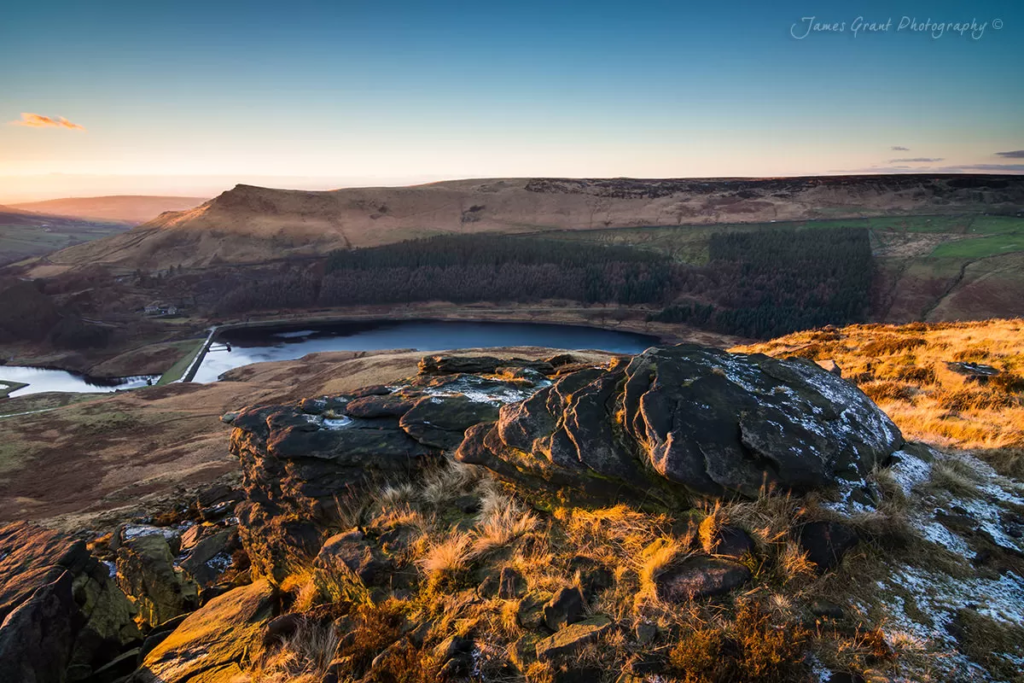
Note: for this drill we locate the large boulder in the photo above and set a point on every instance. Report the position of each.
(683, 422)
(214, 643)
(62, 615)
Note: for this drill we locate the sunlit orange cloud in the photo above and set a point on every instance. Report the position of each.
(40, 121)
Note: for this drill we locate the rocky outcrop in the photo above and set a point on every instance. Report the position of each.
(685, 421)
(663, 427)
(62, 615)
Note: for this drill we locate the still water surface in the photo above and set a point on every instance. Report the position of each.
(261, 345)
(280, 343)
(40, 380)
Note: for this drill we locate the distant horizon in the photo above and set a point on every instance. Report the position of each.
(209, 187)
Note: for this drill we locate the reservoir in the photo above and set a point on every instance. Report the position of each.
(258, 345)
(234, 348)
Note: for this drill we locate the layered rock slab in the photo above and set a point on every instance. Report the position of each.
(212, 643)
(686, 421)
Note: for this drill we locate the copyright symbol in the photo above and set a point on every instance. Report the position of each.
(997, 24)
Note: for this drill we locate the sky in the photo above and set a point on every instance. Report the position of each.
(190, 97)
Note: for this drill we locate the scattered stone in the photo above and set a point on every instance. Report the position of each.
(826, 610)
(206, 563)
(374, 390)
(974, 372)
(572, 638)
(158, 634)
(646, 632)
(566, 607)
(192, 536)
(700, 577)
(281, 628)
(116, 669)
(389, 405)
(594, 577)
(831, 366)
(481, 365)
(530, 612)
(37, 636)
(442, 423)
(455, 649)
(826, 542)
(128, 532)
(61, 614)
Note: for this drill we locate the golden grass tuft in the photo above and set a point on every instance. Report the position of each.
(502, 520)
(447, 558)
(305, 657)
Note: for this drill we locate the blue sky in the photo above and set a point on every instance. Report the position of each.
(388, 92)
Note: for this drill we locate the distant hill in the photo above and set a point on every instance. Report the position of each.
(24, 234)
(251, 224)
(126, 209)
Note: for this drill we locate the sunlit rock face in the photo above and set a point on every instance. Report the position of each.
(687, 421)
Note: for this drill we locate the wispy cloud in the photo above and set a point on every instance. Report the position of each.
(1017, 154)
(40, 121)
(918, 160)
(897, 148)
(962, 168)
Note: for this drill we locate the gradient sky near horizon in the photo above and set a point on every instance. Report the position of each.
(191, 97)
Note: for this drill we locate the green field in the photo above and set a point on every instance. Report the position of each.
(981, 247)
(176, 371)
(689, 243)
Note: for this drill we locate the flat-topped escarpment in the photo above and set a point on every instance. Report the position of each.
(250, 224)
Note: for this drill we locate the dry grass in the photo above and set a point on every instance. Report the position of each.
(502, 520)
(754, 646)
(904, 369)
(305, 657)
